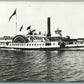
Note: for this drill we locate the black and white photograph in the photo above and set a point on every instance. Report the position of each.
(41, 41)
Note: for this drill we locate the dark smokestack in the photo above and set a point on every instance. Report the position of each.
(48, 27)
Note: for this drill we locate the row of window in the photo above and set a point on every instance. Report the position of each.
(35, 44)
(17, 44)
(27, 44)
(2, 43)
(23, 44)
(75, 43)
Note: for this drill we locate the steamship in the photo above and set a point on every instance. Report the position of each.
(43, 42)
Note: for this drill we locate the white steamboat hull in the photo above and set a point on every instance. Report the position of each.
(41, 46)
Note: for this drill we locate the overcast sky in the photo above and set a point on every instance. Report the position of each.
(68, 16)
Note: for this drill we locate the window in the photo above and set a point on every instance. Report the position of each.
(48, 44)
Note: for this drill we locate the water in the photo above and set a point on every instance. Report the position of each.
(41, 66)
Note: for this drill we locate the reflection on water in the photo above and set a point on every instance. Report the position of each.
(41, 66)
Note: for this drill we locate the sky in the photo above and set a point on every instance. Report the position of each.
(67, 16)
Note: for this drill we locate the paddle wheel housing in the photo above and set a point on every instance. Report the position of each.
(20, 39)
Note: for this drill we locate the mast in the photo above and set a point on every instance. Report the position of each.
(16, 22)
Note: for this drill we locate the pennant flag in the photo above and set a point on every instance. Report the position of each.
(21, 28)
(12, 14)
(29, 27)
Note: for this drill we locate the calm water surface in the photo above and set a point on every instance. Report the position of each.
(41, 66)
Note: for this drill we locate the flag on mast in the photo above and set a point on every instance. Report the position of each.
(21, 28)
(14, 13)
(29, 27)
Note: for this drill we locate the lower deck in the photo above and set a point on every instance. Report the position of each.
(41, 46)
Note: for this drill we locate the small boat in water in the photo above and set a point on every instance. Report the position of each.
(43, 42)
